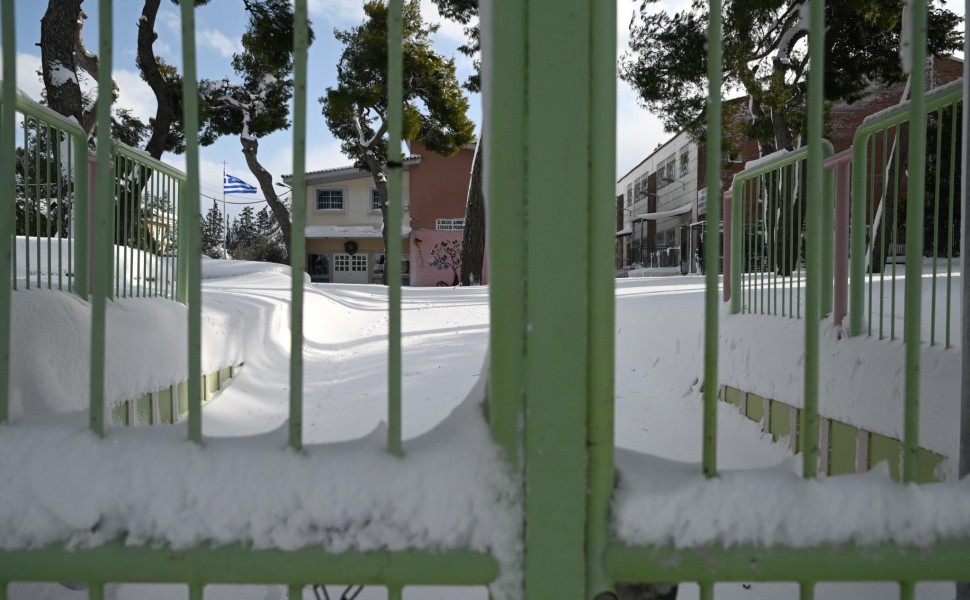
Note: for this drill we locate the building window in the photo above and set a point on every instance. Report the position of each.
(702, 201)
(330, 199)
(671, 167)
(375, 200)
(358, 263)
(341, 262)
(629, 194)
(684, 160)
(449, 224)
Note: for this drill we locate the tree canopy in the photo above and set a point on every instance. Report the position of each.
(765, 55)
(435, 110)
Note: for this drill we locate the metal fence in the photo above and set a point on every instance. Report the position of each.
(550, 386)
(901, 232)
(51, 247)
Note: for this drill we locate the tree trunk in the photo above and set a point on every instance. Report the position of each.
(380, 181)
(280, 211)
(473, 244)
(148, 65)
(58, 28)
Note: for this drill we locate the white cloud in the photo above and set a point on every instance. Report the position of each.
(638, 131)
(219, 42)
(28, 79)
(134, 94)
(337, 12)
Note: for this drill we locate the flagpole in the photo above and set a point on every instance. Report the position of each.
(225, 231)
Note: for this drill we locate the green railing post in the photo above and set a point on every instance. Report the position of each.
(191, 252)
(103, 207)
(298, 237)
(818, 188)
(602, 294)
(506, 155)
(914, 245)
(8, 194)
(392, 254)
(82, 217)
(712, 250)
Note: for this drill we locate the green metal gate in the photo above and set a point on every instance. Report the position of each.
(550, 76)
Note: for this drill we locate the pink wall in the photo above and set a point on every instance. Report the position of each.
(436, 258)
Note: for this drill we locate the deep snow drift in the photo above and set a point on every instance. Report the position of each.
(246, 312)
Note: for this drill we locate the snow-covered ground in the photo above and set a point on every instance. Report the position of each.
(659, 330)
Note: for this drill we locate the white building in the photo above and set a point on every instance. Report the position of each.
(659, 204)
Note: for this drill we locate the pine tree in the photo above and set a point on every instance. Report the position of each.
(435, 111)
(213, 229)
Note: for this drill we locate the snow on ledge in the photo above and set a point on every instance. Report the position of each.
(63, 485)
(666, 503)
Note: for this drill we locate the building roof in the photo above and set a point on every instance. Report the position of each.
(345, 172)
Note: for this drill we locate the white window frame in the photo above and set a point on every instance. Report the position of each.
(375, 202)
(684, 160)
(343, 200)
(450, 224)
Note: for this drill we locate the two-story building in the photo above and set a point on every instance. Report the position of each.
(657, 199)
(344, 222)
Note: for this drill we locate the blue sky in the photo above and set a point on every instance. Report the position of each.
(219, 27)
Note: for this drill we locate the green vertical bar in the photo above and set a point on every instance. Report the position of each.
(95, 591)
(950, 219)
(936, 220)
(298, 237)
(120, 240)
(895, 235)
(857, 241)
(713, 241)
(806, 590)
(7, 197)
(827, 239)
(914, 223)
(138, 225)
(181, 254)
(737, 223)
(712, 250)
(394, 592)
(82, 216)
(294, 591)
(601, 291)
(782, 231)
(60, 214)
(104, 201)
(196, 589)
(392, 262)
(557, 383)
(507, 244)
(814, 248)
(27, 176)
(907, 590)
(191, 251)
(37, 192)
(707, 587)
(47, 194)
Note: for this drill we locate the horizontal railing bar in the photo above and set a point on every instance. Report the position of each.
(30, 108)
(942, 561)
(148, 160)
(235, 564)
(899, 113)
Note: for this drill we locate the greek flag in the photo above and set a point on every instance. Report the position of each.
(234, 185)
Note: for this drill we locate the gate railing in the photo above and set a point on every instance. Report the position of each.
(550, 383)
(767, 249)
(51, 204)
(882, 229)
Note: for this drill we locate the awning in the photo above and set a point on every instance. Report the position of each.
(656, 216)
(625, 231)
(349, 231)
